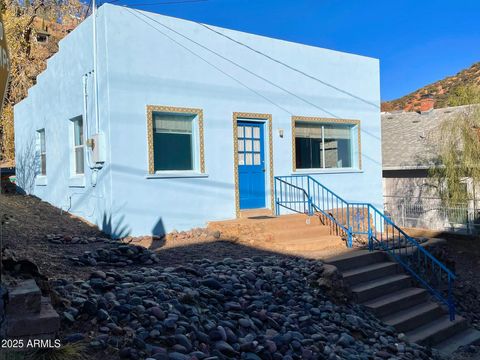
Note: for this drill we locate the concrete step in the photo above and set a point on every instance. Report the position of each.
(321, 254)
(370, 272)
(295, 234)
(25, 297)
(312, 239)
(396, 301)
(356, 259)
(464, 338)
(45, 321)
(256, 213)
(270, 219)
(413, 317)
(375, 288)
(438, 330)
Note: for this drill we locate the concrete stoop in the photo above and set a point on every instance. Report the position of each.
(381, 286)
(28, 314)
(296, 234)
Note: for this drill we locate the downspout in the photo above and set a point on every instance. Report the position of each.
(85, 115)
(95, 80)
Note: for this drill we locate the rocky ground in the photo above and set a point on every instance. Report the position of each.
(254, 308)
(198, 295)
(462, 255)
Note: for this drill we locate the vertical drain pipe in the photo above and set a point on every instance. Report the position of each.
(95, 78)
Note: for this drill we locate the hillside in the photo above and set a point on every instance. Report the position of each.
(439, 90)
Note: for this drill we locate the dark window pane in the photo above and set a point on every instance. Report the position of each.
(79, 161)
(78, 131)
(43, 163)
(338, 149)
(308, 153)
(42, 141)
(172, 151)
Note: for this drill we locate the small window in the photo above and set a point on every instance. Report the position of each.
(42, 38)
(175, 140)
(324, 145)
(42, 152)
(78, 146)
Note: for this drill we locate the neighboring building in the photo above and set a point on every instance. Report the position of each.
(184, 135)
(410, 148)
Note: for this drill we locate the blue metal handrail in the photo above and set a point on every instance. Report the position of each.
(356, 218)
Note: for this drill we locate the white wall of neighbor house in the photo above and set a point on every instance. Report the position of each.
(413, 199)
(139, 66)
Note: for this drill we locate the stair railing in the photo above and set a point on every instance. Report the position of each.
(291, 197)
(304, 194)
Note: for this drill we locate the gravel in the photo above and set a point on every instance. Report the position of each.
(252, 308)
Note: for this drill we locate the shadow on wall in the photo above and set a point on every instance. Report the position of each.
(118, 231)
(26, 163)
(159, 229)
(121, 229)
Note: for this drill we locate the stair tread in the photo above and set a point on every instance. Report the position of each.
(368, 268)
(403, 315)
(350, 255)
(378, 282)
(397, 295)
(432, 327)
(466, 337)
(318, 238)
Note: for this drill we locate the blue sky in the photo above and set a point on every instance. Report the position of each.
(417, 42)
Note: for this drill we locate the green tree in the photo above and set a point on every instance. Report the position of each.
(459, 147)
(464, 95)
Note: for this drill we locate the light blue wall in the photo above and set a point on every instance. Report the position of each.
(51, 103)
(143, 67)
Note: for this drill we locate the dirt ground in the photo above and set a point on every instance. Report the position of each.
(28, 221)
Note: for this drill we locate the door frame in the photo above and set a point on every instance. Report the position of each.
(266, 119)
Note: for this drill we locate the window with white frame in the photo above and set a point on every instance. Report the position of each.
(78, 146)
(325, 145)
(42, 152)
(175, 142)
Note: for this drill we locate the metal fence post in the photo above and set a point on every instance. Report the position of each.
(348, 216)
(370, 235)
(451, 303)
(350, 237)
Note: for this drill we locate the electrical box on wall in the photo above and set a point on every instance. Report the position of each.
(98, 149)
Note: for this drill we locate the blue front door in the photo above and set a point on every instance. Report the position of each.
(251, 165)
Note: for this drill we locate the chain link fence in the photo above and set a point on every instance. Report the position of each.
(431, 213)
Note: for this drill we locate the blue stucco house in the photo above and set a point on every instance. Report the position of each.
(193, 123)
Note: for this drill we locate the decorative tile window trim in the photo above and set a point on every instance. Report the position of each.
(322, 120)
(174, 110)
(266, 118)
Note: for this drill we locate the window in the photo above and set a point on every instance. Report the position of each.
(42, 152)
(42, 38)
(78, 146)
(325, 145)
(175, 139)
(172, 141)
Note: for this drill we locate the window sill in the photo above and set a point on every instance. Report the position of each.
(77, 181)
(176, 174)
(41, 180)
(326, 171)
